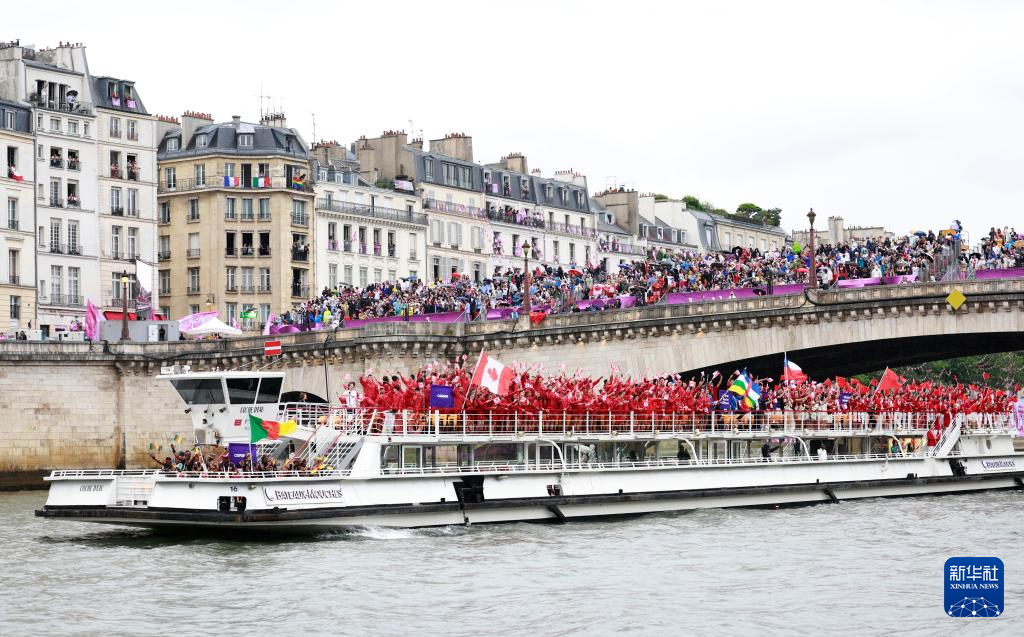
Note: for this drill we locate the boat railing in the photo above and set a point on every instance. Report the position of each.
(651, 463)
(464, 424)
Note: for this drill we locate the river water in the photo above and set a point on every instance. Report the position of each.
(872, 567)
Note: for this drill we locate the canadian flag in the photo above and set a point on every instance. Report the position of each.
(492, 375)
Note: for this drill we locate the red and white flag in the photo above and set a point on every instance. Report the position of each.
(791, 371)
(492, 375)
(272, 348)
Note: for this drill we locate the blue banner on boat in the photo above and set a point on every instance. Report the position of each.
(441, 397)
(237, 451)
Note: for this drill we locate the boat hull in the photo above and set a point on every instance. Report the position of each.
(555, 508)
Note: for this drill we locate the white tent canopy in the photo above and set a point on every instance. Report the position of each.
(213, 326)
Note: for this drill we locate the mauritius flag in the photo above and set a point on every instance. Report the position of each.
(260, 429)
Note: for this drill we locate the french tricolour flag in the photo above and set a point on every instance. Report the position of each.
(230, 182)
(792, 371)
(492, 375)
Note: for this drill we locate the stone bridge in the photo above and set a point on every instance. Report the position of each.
(81, 404)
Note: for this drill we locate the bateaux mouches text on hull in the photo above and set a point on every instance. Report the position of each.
(254, 462)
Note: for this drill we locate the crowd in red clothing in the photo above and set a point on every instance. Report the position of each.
(532, 392)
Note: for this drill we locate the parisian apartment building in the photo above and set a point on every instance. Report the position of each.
(92, 172)
(235, 227)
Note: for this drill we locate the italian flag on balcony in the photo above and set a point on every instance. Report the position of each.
(260, 429)
(261, 182)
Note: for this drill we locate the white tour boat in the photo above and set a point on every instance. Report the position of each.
(408, 470)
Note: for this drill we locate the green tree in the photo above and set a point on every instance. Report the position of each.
(693, 203)
(770, 216)
(748, 210)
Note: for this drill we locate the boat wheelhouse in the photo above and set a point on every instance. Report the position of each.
(344, 467)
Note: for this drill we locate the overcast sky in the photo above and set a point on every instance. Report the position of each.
(905, 114)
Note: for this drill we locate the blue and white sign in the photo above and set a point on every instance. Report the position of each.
(441, 397)
(974, 586)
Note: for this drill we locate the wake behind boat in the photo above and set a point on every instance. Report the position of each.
(261, 464)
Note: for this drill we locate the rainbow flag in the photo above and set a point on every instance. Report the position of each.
(260, 429)
(298, 183)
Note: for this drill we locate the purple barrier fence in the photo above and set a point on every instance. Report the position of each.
(624, 302)
(726, 295)
(1004, 273)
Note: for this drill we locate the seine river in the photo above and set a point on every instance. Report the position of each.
(872, 567)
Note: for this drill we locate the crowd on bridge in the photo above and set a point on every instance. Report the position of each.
(559, 289)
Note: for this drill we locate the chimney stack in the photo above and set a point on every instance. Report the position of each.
(190, 121)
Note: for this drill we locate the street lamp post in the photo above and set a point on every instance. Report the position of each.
(812, 270)
(124, 304)
(526, 278)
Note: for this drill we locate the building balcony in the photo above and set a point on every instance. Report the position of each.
(56, 202)
(133, 174)
(74, 202)
(193, 290)
(163, 255)
(247, 289)
(300, 220)
(571, 230)
(515, 217)
(222, 182)
(74, 163)
(70, 300)
(117, 211)
(264, 289)
(73, 250)
(332, 245)
(56, 162)
(248, 251)
(165, 219)
(231, 287)
(132, 137)
(115, 301)
(74, 108)
(301, 256)
(12, 224)
(372, 212)
(192, 253)
(116, 172)
(300, 291)
(13, 279)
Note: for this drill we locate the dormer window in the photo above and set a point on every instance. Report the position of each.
(172, 143)
(661, 233)
(675, 236)
(609, 218)
(565, 196)
(201, 140)
(245, 140)
(549, 192)
(643, 230)
(323, 175)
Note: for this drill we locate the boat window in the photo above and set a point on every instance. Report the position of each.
(199, 391)
(270, 390)
(242, 391)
